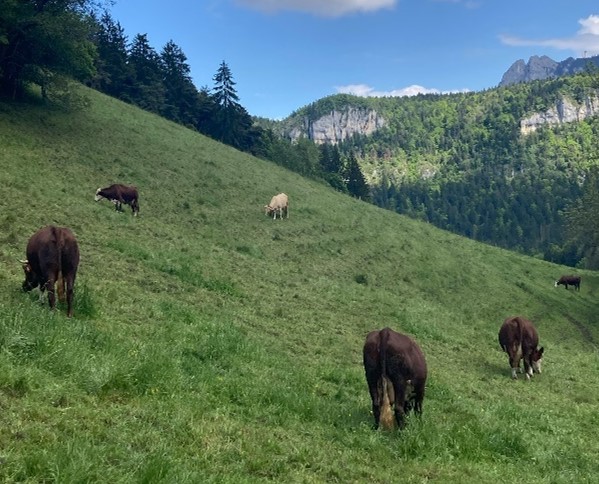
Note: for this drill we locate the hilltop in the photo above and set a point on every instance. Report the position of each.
(211, 344)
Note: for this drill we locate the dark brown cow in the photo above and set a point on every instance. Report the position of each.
(396, 372)
(519, 339)
(569, 281)
(119, 194)
(52, 257)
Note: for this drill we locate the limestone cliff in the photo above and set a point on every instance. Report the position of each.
(565, 110)
(338, 125)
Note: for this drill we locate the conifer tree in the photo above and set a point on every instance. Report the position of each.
(232, 123)
(147, 89)
(356, 183)
(224, 91)
(42, 42)
(583, 220)
(113, 73)
(181, 96)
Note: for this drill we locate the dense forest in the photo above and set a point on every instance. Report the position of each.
(461, 162)
(458, 161)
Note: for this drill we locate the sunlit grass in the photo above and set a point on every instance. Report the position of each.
(210, 343)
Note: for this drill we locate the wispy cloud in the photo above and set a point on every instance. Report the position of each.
(465, 3)
(413, 90)
(585, 41)
(326, 8)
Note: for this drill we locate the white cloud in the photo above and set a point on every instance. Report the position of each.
(584, 42)
(366, 91)
(327, 8)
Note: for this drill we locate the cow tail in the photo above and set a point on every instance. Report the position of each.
(383, 360)
(59, 279)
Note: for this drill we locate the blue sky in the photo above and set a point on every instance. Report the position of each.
(285, 54)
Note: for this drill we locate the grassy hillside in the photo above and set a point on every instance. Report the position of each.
(212, 344)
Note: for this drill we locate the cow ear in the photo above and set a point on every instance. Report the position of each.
(541, 351)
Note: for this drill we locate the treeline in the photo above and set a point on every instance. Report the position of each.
(458, 161)
(48, 42)
(461, 162)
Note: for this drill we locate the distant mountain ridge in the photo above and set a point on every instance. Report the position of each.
(544, 67)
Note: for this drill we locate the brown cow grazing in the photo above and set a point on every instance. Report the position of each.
(279, 204)
(52, 257)
(569, 281)
(119, 194)
(519, 339)
(396, 373)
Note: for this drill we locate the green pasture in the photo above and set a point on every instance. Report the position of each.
(210, 343)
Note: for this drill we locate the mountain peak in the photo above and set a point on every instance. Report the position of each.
(544, 67)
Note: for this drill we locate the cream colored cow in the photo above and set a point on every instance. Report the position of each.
(279, 204)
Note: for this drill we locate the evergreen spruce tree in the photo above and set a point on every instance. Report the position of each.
(113, 74)
(181, 97)
(224, 92)
(583, 220)
(356, 183)
(147, 89)
(232, 123)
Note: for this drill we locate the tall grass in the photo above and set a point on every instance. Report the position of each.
(212, 344)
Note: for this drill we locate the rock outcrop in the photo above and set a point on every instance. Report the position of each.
(564, 111)
(338, 125)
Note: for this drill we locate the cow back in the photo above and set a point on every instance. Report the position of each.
(53, 249)
(402, 355)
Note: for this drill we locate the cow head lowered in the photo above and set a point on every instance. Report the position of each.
(519, 339)
(31, 278)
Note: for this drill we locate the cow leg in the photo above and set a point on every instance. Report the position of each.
(515, 354)
(528, 366)
(60, 287)
(515, 365)
(376, 405)
(418, 398)
(70, 283)
(51, 296)
(375, 395)
(400, 399)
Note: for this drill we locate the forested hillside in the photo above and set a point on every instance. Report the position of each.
(461, 162)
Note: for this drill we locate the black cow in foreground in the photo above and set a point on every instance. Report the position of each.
(119, 194)
(396, 374)
(52, 257)
(519, 339)
(569, 281)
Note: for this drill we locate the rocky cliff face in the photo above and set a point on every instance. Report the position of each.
(537, 68)
(564, 111)
(338, 126)
(543, 67)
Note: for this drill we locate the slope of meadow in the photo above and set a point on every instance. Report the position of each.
(212, 344)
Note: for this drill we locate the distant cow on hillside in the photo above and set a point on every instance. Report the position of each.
(119, 194)
(396, 374)
(279, 204)
(569, 281)
(52, 257)
(519, 339)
